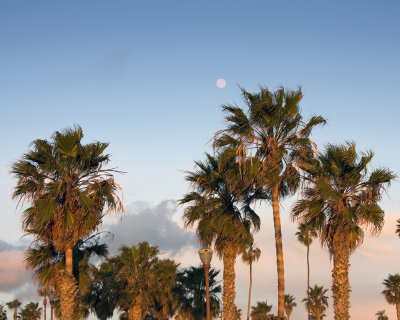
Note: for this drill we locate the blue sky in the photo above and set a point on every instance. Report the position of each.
(141, 75)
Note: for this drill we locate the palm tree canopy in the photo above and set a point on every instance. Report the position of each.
(251, 254)
(392, 288)
(290, 303)
(381, 315)
(272, 129)
(3, 313)
(13, 304)
(221, 202)
(341, 197)
(305, 234)
(31, 311)
(191, 292)
(318, 300)
(67, 186)
(398, 228)
(260, 311)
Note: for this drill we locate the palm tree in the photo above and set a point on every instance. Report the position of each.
(290, 303)
(305, 236)
(381, 315)
(272, 129)
(30, 311)
(392, 291)
(44, 292)
(341, 199)
(145, 281)
(398, 228)
(69, 191)
(191, 292)
(219, 205)
(238, 314)
(260, 311)
(14, 305)
(3, 313)
(250, 255)
(317, 301)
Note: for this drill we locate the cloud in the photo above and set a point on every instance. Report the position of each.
(153, 223)
(12, 270)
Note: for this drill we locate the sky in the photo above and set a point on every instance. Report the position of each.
(142, 76)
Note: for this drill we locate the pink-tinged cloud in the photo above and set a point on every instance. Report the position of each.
(12, 270)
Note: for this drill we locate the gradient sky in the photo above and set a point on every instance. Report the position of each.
(142, 76)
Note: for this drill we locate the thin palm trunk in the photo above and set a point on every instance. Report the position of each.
(44, 306)
(318, 314)
(308, 277)
(15, 313)
(340, 282)
(279, 252)
(229, 294)
(398, 310)
(251, 282)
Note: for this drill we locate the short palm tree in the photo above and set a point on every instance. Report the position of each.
(30, 311)
(144, 283)
(290, 303)
(381, 315)
(191, 293)
(317, 302)
(14, 305)
(250, 255)
(3, 313)
(305, 235)
(272, 128)
(392, 291)
(219, 205)
(341, 198)
(260, 311)
(69, 191)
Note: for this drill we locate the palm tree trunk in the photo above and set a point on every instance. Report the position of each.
(398, 310)
(15, 313)
(340, 282)
(67, 288)
(279, 252)
(318, 314)
(308, 277)
(44, 306)
(251, 282)
(136, 312)
(229, 294)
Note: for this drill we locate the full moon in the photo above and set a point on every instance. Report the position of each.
(221, 83)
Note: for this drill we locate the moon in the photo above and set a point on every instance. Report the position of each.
(221, 83)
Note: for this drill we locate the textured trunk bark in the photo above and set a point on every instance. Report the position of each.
(68, 260)
(279, 252)
(251, 282)
(340, 282)
(398, 310)
(136, 312)
(318, 315)
(308, 278)
(229, 294)
(67, 288)
(44, 307)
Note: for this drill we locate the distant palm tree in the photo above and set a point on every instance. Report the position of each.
(219, 206)
(392, 291)
(272, 128)
(398, 228)
(381, 315)
(305, 236)
(191, 293)
(14, 305)
(260, 311)
(250, 255)
(3, 313)
(30, 311)
(69, 191)
(290, 303)
(341, 198)
(317, 302)
(44, 292)
(238, 314)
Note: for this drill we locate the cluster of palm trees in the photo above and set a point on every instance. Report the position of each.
(31, 311)
(263, 154)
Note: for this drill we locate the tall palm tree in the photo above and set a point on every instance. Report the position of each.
(290, 303)
(341, 198)
(250, 255)
(144, 283)
(260, 311)
(44, 292)
(392, 291)
(30, 311)
(305, 236)
(69, 191)
(14, 305)
(381, 315)
(219, 205)
(191, 292)
(272, 128)
(317, 301)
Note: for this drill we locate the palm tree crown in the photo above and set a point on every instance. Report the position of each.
(317, 302)
(290, 303)
(392, 291)
(260, 311)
